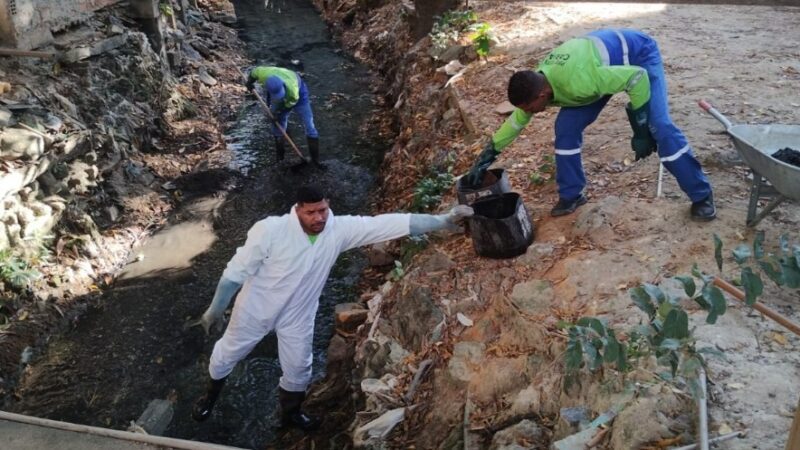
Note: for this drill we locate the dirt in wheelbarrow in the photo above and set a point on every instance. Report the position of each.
(788, 155)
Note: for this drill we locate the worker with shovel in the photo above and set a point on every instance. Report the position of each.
(580, 76)
(281, 270)
(285, 91)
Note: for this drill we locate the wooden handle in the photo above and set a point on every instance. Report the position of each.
(739, 295)
(283, 132)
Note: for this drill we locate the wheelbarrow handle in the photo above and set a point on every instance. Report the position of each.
(707, 107)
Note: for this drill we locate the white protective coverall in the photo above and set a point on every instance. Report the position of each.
(283, 274)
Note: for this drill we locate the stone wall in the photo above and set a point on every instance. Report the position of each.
(28, 24)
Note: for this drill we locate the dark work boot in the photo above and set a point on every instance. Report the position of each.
(313, 148)
(291, 413)
(205, 404)
(704, 210)
(280, 149)
(564, 207)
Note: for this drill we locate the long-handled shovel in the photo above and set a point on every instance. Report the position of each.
(304, 161)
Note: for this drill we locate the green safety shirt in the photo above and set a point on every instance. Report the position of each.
(578, 77)
(289, 78)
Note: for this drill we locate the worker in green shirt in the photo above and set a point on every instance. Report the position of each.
(580, 76)
(285, 91)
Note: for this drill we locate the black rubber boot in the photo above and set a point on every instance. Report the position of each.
(313, 148)
(291, 413)
(564, 207)
(205, 404)
(280, 149)
(704, 210)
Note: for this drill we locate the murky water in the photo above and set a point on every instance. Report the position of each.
(132, 347)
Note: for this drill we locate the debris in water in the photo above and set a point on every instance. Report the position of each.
(788, 155)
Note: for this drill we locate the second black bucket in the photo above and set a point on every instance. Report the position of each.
(494, 182)
(501, 226)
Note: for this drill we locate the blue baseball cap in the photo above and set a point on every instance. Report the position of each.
(275, 88)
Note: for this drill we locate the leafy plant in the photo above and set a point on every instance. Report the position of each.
(543, 173)
(449, 27)
(666, 336)
(481, 38)
(398, 272)
(166, 9)
(428, 191)
(15, 271)
(753, 261)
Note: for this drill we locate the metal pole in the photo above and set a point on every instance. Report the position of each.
(660, 179)
(703, 410)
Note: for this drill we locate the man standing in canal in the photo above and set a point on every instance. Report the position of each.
(281, 270)
(580, 76)
(285, 91)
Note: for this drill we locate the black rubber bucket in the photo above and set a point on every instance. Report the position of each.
(501, 226)
(494, 182)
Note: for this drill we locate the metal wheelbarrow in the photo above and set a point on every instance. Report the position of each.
(772, 179)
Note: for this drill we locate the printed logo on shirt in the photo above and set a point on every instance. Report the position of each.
(558, 59)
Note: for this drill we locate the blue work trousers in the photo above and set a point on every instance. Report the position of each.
(303, 109)
(628, 47)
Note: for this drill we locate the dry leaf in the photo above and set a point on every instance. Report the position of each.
(779, 338)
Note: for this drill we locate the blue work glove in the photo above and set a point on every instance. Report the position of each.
(222, 298)
(642, 142)
(450, 221)
(474, 178)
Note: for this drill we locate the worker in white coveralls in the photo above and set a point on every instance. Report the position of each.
(281, 270)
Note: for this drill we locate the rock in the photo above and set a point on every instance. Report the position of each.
(571, 420)
(596, 220)
(16, 143)
(53, 123)
(453, 52)
(647, 419)
(451, 68)
(378, 428)
(224, 18)
(523, 435)
(6, 118)
(504, 108)
(450, 114)
(349, 316)
(190, 53)
(577, 441)
(437, 262)
(533, 297)
(207, 79)
(466, 354)
(202, 49)
(378, 255)
(535, 253)
(156, 418)
(100, 47)
(415, 316)
(111, 213)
